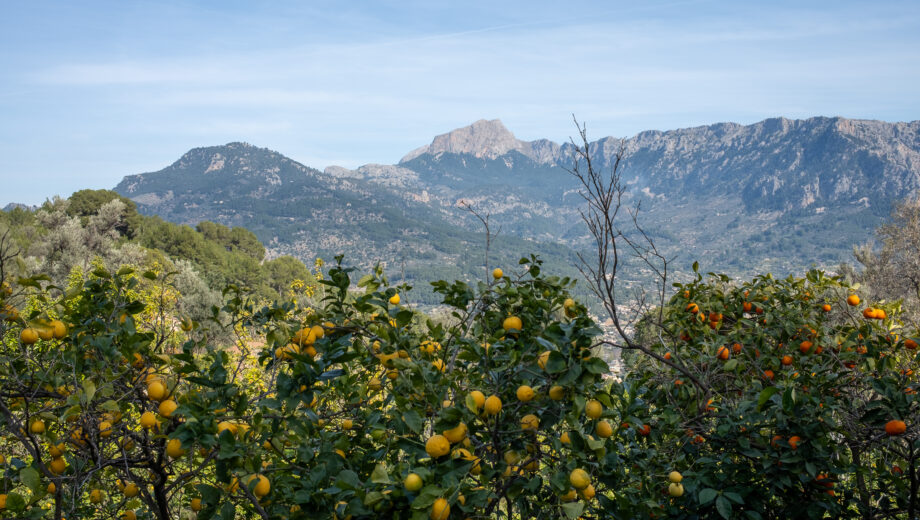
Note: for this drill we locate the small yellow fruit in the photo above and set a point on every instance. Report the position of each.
(95, 496)
(603, 429)
(196, 504)
(675, 489)
(594, 409)
(675, 477)
(479, 398)
(493, 405)
(56, 450)
(57, 465)
(130, 490)
(570, 496)
(167, 408)
(413, 482)
(174, 448)
(262, 487)
(497, 273)
(374, 384)
(440, 510)
(347, 424)
(556, 393)
(525, 393)
(45, 333)
(29, 336)
(105, 429)
(438, 365)
(568, 303)
(148, 420)
(37, 426)
(128, 515)
(530, 422)
(58, 329)
(588, 492)
(512, 322)
(437, 446)
(543, 359)
(156, 391)
(456, 434)
(394, 300)
(226, 425)
(579, 479)
(564, 438)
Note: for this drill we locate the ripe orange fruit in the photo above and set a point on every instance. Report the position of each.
(826, 307)
(910, 344)
(768, 374)
(736, 348)
(692, 307)
(895, 427)
(786, 360)
(746, 306)
(723, 353)
(667, 355)
(852, 300)
(794, 442)
(644, 430)
(497, 273)
(805, 346)
(394, 300)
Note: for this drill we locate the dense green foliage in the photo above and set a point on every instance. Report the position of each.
(98, 224)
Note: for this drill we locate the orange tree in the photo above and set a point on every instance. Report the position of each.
(801, 404)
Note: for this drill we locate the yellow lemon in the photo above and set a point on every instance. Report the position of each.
(456, 434)
(525, 393)
(579, 479)
(440, 510)
(437, 446)
(413, 482)
(594, 409)
(512, 322)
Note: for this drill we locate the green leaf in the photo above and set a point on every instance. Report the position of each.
(730, 365)
(89, 388)
(707, 495)
(724, 507)
(765, 396)
(734, 497)
(413, 420)
(573, 510)
(380, 475)
(31, 479)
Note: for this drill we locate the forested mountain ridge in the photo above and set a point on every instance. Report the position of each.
(778, 195)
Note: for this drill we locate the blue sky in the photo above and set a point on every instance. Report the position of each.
(93, 91)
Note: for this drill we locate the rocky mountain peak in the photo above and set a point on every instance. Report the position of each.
(489, 139)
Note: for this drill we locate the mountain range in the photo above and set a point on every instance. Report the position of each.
(779, 195)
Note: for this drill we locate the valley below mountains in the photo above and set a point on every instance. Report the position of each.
(779, 195)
